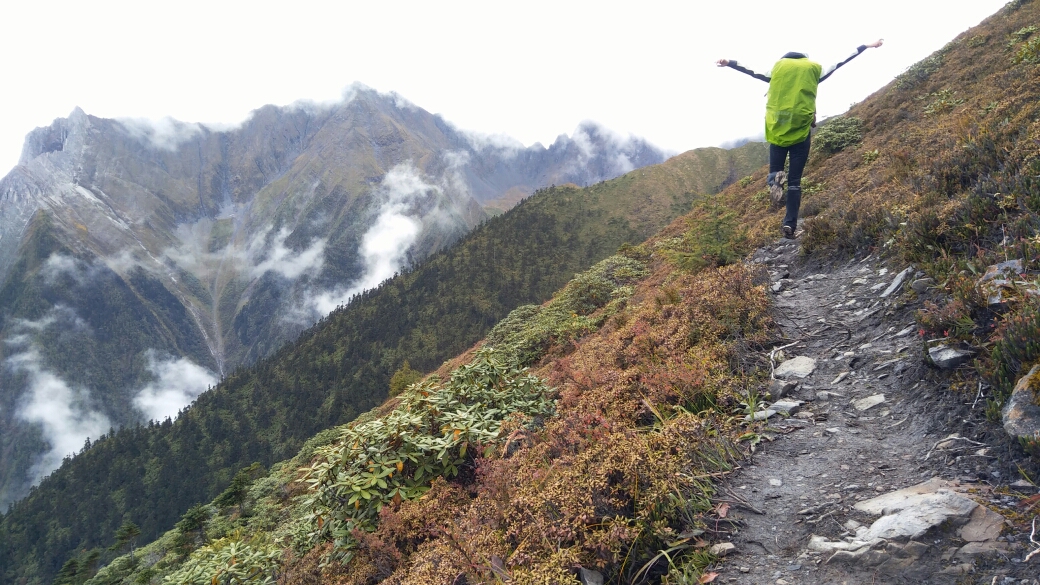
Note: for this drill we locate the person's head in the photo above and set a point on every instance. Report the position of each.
(795, 55)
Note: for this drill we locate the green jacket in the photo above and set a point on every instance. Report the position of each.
(791, 105)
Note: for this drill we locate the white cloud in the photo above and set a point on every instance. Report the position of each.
(22, 327)
(622, 164)
(259, 255)
(385, 245)
(284, 261)
(63, 412)
(58, 264)
(401, 103)
(177, 383)
(506, 145)
(164, 133)
(123, 262)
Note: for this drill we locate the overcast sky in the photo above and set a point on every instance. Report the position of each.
(531, 70)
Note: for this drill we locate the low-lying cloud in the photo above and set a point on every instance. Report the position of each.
(260, 254)
(282, 260)
(177, 383)
(64, 413)
(384, 247)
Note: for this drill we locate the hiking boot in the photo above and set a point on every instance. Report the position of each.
(788, 232)
(776, 188)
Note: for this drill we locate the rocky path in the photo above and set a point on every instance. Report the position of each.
(869, 469)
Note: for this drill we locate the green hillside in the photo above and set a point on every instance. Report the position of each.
(342, 366)
(474, 476)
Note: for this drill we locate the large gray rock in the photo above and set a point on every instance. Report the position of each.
(908, 514)
(919, 514)
(796, 367)
(946, 358)
(889, 545)
(1021, 414)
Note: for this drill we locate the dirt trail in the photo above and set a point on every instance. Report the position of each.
(873, 419)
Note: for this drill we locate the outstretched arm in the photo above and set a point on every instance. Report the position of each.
(859, 50)
(738, 67)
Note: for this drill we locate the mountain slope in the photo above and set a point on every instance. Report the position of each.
(944, 168)
(223, 245)
(343, 365)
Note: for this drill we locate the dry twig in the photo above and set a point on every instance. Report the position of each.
(1032, 539)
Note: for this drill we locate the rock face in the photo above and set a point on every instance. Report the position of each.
(1021, 414)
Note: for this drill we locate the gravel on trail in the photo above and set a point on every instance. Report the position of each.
(870, 470)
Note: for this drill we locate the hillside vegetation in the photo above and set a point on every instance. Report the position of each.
(151, 475)
(602, 455)
(650, 361)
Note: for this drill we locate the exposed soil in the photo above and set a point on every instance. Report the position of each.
(832, 453)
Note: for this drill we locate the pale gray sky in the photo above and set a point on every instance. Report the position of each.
(531, 70)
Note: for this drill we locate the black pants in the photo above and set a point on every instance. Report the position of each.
(799, 154)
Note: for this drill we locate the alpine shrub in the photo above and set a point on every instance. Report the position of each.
(232, 560)
(920, 71)
(837, 134)
(395, 458)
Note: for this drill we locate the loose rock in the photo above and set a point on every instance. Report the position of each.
(921, 285)
(897, 282)
(797, 367)
(998, 280)
(722, 549)
(761, 415)
(788, 407)
(1021, 414)
(780, 388)
(868, 402)
(590, 577)
(984, 525)
(946, 358)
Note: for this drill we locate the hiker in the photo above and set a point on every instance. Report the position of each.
(790, 118)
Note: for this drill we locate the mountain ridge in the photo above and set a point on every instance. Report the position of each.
(422, 316)
(662, 361)
(255, 231)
